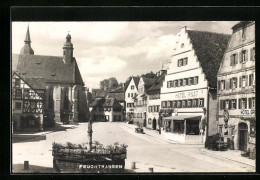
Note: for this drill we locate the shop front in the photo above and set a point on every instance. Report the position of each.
(183, 128)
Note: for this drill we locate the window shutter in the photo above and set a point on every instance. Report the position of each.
(249, 103)
(236, 82)
(240, 56)
(236, 58)
(231, 83)
(224, 84)
(203, 102)
(230, 104)
(227, 86)
(246, 80)
(220, 104)
(240, 81)
(246, 55)
(250, 80)
(231, 60)
(239, 104)
(245, 103)
(251, 54)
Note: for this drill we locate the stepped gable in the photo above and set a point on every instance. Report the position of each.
(209, 48)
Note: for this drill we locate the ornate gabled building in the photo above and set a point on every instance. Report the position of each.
(58, 78)
(236, 89)
(188, 94)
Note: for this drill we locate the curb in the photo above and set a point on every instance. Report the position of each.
(33, 135)
(202, 150)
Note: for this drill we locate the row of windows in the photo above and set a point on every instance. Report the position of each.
(243, 57)
(182, 62)
(243, 103)
(153, 108)
(183, 82)
(154, 96)
(27, 94)
(132, 94)
(130, 105)
(138, 115)
(233, 82)
(107, 109)
(140, 103)
(183, 103)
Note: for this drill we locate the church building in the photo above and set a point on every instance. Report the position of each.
(57, 78)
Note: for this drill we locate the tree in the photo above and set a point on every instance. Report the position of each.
(112, 84)
(149, 75)
(109, 84)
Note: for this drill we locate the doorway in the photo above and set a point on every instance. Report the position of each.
(243, 135)
(107, 117)
(154, 124)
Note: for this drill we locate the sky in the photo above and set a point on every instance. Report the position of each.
(111, 49)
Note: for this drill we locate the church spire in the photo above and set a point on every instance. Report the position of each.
(27, 44)
(68, 50)
(27, 37)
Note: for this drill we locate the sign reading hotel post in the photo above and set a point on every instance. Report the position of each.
(190, 94)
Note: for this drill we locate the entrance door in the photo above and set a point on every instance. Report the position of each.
(243, 131)
(154, 124)
(107, 118)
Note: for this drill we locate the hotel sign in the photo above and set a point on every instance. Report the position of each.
(248, 112)
(189, 94)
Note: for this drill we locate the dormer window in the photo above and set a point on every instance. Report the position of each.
(132, 87)
(182, 45)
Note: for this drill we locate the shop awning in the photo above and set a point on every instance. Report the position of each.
(182, 117)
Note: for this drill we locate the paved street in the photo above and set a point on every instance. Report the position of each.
(143, 149)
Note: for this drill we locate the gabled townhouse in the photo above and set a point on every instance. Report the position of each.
(154, 102)
(106, 109)
(140, 101)
(131, 90)
(188, 95)
(236, 89)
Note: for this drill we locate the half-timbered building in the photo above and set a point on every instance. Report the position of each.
(27, 105)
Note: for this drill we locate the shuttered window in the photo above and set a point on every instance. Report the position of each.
(252, 54)
(234, 103)
(201, 102)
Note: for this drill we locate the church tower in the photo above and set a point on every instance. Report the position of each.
(27, 44)
(68, 50)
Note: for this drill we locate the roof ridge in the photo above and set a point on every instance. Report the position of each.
(210, 32)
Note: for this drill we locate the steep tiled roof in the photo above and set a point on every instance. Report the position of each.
(105, 102)
(136, 81)
(241, 24)
(157, 84)
(148, 82)
(209, 48)
(99, 93)
(48, 68)
(118, 94)
(15, 58)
